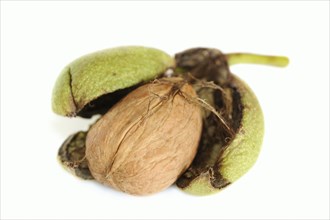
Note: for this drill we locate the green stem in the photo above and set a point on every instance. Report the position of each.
(238, 58)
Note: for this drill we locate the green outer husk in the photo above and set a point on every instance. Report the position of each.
(243, 151)
(106, 71)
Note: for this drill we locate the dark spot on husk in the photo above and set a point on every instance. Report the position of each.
(204, 63)
(216, 179)
(74, 107)
(72, 155)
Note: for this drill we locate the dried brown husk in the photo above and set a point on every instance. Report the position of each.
(72, 155)
(148, 139)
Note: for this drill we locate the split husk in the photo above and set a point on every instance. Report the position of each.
(83, 86)
(126, 148)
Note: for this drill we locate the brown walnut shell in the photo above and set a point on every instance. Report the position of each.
(148, 139)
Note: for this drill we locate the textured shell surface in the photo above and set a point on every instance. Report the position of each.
(148, 139)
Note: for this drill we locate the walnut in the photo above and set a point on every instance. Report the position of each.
(148, 139)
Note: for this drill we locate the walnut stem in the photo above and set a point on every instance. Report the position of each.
(248, 58)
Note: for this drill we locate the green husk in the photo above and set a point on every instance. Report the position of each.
(106, 71)
(241, 154)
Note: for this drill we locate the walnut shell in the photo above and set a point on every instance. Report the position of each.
(148, 139)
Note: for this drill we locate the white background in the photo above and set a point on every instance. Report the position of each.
(291, 177)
